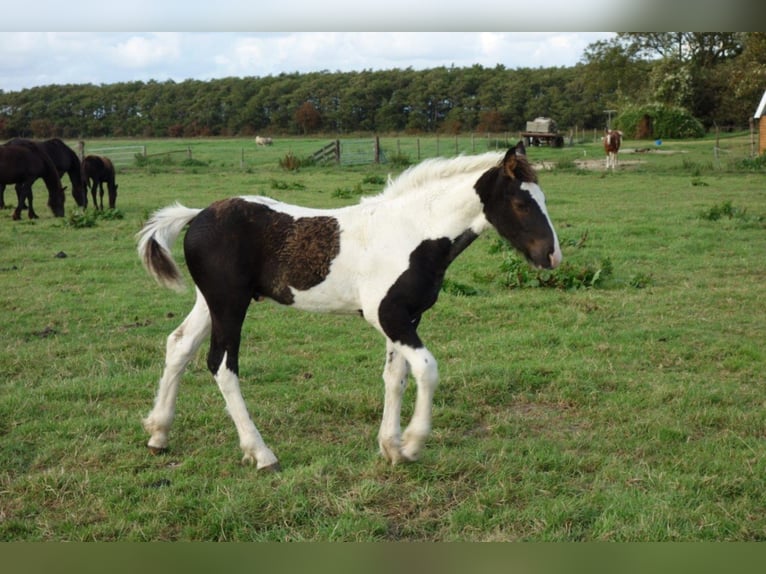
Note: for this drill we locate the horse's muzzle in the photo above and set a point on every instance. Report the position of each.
(555, 258)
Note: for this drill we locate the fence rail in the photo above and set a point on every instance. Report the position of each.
(120, 155)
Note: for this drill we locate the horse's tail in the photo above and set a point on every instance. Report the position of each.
(156, 239)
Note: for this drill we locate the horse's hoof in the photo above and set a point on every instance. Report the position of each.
(157, 450)
(271, 469)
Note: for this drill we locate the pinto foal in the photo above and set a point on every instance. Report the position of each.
(383, 259)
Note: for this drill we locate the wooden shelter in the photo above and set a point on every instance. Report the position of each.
(760, 117)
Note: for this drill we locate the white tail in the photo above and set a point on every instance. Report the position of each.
(157, 238)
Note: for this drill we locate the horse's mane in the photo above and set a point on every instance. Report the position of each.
(444, 168)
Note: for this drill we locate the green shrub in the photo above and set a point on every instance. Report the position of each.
(80, 219)
(726, 210)
(290, 162)
(347, 193)
(285, 185)
(753, 163)
(374, 179)
(666, 122)
(459, 289)
(399, 160)
(517, 273)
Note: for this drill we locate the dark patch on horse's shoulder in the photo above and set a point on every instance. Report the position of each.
(309, 250)
(417, 288)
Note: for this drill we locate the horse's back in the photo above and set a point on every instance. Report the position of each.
(260, 246)
(62, 155)
(18, 160)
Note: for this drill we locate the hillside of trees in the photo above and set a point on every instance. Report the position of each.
(717, 77)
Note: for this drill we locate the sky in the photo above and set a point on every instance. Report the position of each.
(91, 41)
(32, 59)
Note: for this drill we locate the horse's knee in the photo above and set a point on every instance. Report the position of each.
(396, 371)
(425, 369)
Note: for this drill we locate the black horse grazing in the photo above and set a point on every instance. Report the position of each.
(65, 160)
(97, 170)
(23, 165)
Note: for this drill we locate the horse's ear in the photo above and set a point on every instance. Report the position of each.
(510, 162)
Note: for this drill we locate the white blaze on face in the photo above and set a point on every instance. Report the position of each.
(538, 195)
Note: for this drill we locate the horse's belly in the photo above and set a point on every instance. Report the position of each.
(327, 297)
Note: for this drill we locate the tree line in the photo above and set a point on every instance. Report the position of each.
(717, 77)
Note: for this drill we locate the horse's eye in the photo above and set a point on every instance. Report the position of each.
(520, 205)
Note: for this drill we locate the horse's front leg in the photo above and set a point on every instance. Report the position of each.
(93, 194)
(394, 446)
(426, 374)
(395, 381)
(24, 196)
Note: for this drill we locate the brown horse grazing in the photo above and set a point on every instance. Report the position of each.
(64, 159)
(97, 170)
(22, 166)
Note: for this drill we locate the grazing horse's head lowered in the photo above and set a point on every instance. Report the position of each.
(384, 259)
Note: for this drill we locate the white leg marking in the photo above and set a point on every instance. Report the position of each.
(250, 440)
(182, 346)
(395, 380)
(425, 371)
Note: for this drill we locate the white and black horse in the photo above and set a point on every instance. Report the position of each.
(384, 258)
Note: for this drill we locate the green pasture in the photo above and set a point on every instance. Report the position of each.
(632, 410)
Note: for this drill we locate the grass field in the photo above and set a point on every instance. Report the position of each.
(633, 411)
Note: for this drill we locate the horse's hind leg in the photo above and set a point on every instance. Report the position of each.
(182, 345)
(223, 362)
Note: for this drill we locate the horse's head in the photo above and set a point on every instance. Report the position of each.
(56, 200)
(515, 205)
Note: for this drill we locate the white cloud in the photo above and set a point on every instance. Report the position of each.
(147, 50)
(32, 59)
